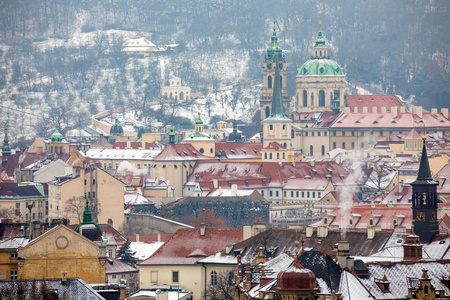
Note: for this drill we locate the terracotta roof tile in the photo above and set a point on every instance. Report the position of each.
(115, 266)
(186, 241)
(180, 152)
(370, 101)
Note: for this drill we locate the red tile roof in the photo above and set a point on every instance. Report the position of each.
(394, 196)
(371, 101)
(180, 152)
(239, 150)
(361, 213)
(274, 146)
(115, 266)
(150, 238)
(444, 223)
(304, 116)
(326, 120)
(251, 175)
(413, 135)
(185, 245)
(387, 120)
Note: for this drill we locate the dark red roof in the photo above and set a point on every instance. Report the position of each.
(239, 150)
(184, 246)
(114, 237)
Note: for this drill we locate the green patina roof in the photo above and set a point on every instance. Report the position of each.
(198, 135)
(87, 219)
(320, 67)
(116, 128)
(277, 102)
(56, 136)
(274, 52)
(6, 149)
(320, 41)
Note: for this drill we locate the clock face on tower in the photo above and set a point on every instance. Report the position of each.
(420, 216)
(433, 216)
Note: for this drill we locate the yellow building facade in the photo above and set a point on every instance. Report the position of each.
(62, 251)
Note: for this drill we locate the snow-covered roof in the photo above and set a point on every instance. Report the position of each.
(122, 154)
(144, 250)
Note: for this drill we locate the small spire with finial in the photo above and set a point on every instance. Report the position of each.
(424, 137)
(393, 86)
(320, 27)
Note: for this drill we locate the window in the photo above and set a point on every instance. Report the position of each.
(371, 222)
(306, 133)
(13, 255)
(362, 133)
(85, 181)
(296, 194)
(312, 133)
(353, 133)
(343, 133)
(292, 194)
(305, 98)
(262, 193)
(303, 194)
(284, 127)
(307, 194)
(114, 277)
(267, 112)
(271, 127)
(110, 253)
(13, 275)
(123, 275)
(175, 277)
(276, 194)
(265, 155)
(321, 98)
(334, 145)
(311, 150)
(351, 221)
(318, 194)
(318, 133)
(362, 145)
(323, 150)
(154, 276)
(269, 82)
(271, 193)
(284, 194)
(278, 155)
(213, 277)
(325, 221)
(270, 155)
(284, 155)
(353, 145)
(381, 133)
(17, 205)
(343, 145)
(314, 194)
(325, 133)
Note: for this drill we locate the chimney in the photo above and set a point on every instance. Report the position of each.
(312, 163)
(402, 109)
(365, 110)
(434, 111)
(63, 276)
(374, 109)
(215, 183)
(355, 110)
(137, 237)
(394, 110)
(370, 233)
(419, 111)
(263, 280)
(159, 237)
(128, 144)
(444, 112)
(383, 109)
(309, 231)
(234, 190)
(202, 229)
(400, 187)
(322, 231)
(110, 222)
(248, 277)
(343, 255)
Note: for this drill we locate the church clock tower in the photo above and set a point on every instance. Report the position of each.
(425, 201)
(274, 60)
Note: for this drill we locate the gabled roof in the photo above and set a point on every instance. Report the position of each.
(134, 145)
(412, 135)
(101, 142)
(185, 241)
(444, 173)
(115, 266)
(11, 189)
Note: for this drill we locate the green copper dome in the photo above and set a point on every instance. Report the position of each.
(320, 67)
(116, 128)
(56, 136)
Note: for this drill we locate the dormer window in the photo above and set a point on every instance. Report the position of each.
(351, 221)
(371, 222)
(325, 220)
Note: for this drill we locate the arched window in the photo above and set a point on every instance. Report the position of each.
(285, 145)
(371, 222)
(311, 150)
(321, 98)
(165, 96)
(292, 133)
(325, 221)
(320, 53)
(312, 99)
(281, 81)
(213, 278)
(170, 96)
(305, 98)
(181, 96)
(270, 155)
(323, 150)
(265, 155)
(269, 82)
(284, 155)
(267, 111)
(351, 221)
(278, 155)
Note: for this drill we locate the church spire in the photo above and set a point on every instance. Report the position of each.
(277, 102)
(6, 149)
(87, 214)
(274, 52)
(171, 136)
(424, 167)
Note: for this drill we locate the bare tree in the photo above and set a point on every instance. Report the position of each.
(75, 206)
(221, 286)
(7, 213)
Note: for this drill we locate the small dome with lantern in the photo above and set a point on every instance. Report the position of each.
(296, 278)
(116, 129)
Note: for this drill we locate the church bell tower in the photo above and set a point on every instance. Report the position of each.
(274, 60)
(425, 201)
